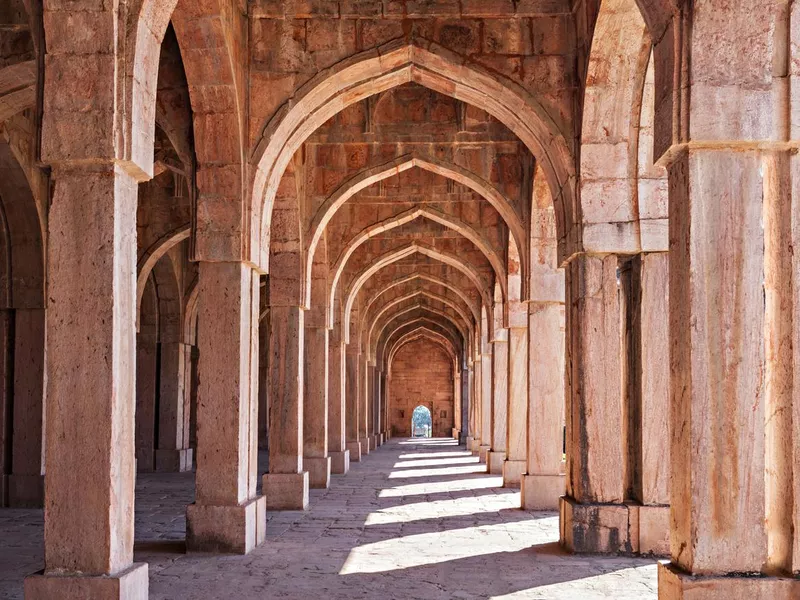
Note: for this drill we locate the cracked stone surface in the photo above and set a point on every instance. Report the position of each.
(416, 519)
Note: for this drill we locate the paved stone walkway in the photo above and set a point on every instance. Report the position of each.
(415, 520)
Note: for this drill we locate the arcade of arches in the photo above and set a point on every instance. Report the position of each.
(242, 240)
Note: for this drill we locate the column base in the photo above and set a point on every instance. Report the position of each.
(371, 441)
(130, 584)
(483, 453)
(319, 472)
(174, 461)
(676, 584)
(388, 434)
(454, 433)
(542, 492)
(340, 462)
(364, 441)
(25, 491)
(469, 443)
(285, 491)
(495, 461)
(383, 438)
(226, 529)
(354, 448)
(614, 528)
(512, 472)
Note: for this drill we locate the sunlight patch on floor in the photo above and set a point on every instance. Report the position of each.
(437, 509)
(435, 462)
(625, 584)
(443, 546)
(433, 454)
(410, 473)
(442, 487)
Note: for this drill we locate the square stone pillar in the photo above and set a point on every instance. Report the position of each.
(486, 405)
(517, 408)
(594, 517)
(90, 361)
(285, 487)
(354, 439)
(337, 434)
(371, 402)
(26, 481)
(173, 453)
(731, 223)
(543, 484)
(228, 515)
(363, 406)
(499, 427)
(315, 408)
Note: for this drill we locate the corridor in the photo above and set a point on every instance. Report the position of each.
(416, 519)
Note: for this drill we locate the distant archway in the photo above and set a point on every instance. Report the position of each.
(421, 422)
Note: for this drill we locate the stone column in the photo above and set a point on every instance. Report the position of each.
(466, 402)
(337, 434)
(286, 485)
(486, 405)
(146, 378)
(370, 402)
(263, 383)
(647, 405)
(517, 407)
(26, 482)
(379, 408)
(173, 453)
(543, 484)
(474, 434)
(354, 441)
(499, 426)
(91, 346)
(594, 517)
(228, 515)
(363, 404)
(730, 379)
(315, 408)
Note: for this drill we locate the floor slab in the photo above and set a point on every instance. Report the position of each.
(415, 519)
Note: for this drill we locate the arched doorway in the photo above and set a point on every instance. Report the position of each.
(421, 422)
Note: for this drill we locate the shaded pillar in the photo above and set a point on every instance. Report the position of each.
(499, 411)
(146, 379)
(91, 346)
(363, 406)
(517, 408)
(315, 408)
(354, 441)
(173, 453)
(543, 483)
(594, 517)
(26, 482)
(285, 486)
(337, 408)
(228, 515)
(486, 405)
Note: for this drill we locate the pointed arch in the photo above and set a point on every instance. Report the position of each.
(395, 63)
(406, 217)
(364, 179)
(152, 255)
(399, 254)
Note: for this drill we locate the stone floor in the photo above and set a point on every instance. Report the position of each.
(417, 519)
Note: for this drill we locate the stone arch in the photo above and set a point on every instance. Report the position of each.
(414, 335)
(151, 257)
(388, 66)
(432, 279)
(190, 314)
(170, 318)
(416, 323)
(431, 214)
(370, 176)
(424, 308)
(17, 88)
(399, 254)
(396, 301)
(612, 103)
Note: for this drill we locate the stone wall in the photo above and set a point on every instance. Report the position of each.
(422, 374)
